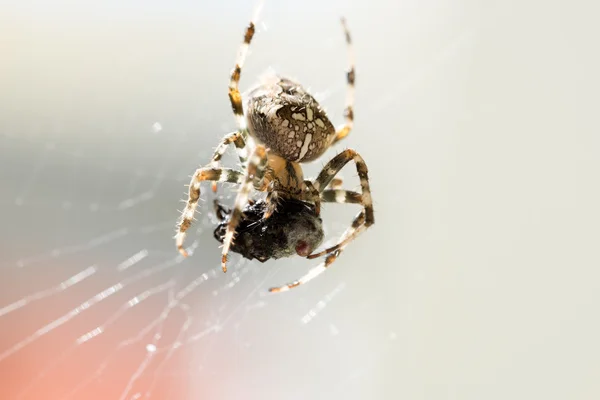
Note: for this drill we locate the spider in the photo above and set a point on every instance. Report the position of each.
(280, 126)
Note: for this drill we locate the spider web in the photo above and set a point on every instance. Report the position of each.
(95, 300)
(101, 304)
(98, 303)
(471, 285)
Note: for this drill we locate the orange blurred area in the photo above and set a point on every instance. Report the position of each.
(479, 279)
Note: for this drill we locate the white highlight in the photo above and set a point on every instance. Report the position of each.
(313, 312)
(309, 113)
(134, 259)
(366, 196)
(298, 116)
(242, 153)
(133, 201)
(73, 280)
(156, 127)
(304, 149)
(271, 110)
(313, 273)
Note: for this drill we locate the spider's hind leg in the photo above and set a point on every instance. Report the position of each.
(341, 196)
(362, 221)
(336, 183)
(333, 167)
(312, 195)
(367, 215)
(319, 269)
(235, 96)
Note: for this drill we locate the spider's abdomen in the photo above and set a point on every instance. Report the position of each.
(288, 120)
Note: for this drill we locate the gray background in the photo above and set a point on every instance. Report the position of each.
(480, 279)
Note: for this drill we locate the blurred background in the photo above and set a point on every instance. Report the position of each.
(479, 280)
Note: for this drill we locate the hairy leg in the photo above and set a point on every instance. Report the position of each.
(201, 174)
(253, 177)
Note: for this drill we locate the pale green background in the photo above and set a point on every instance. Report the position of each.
(479, 123)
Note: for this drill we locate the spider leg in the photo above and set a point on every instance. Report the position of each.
(319, 269)
(341, 196)
(362, 221)
(220, 210)
(358, 225)
(237, 138)
(234, 92)
(201, 174)
(333, 167)
(272, 201)
(253, 177)
(366, 216)
(345, 129)
(336, 183)
(309, 193)
(312, 194)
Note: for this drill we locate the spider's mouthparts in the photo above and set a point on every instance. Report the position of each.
(303, 249)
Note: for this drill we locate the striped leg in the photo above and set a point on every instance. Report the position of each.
(201, 174)
(327, 175)
(358, 225)
(362, 221)
(253, 177)
(272, 201)
(319, 269)
(312, 194)
(234, 92)
(237, 138)
(341, 196)
(345, 129)
(336, 183)
(333, 167)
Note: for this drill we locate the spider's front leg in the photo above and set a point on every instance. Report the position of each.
(253, 177)
(201, 174)
(345, 129)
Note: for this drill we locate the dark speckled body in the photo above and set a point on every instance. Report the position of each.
(278, 235)
(283, 116)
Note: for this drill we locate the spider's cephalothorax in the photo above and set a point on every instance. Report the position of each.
(282, 125)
